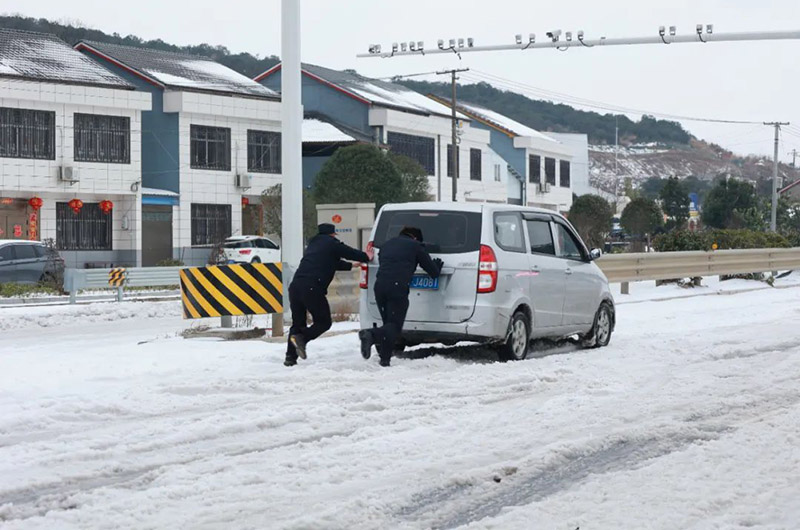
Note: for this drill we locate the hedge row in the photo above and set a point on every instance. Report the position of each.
(724, 239)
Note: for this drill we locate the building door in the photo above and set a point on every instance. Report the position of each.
(156, 234)
(13, 219)
(252, 220)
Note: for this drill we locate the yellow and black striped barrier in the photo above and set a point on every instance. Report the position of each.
(245, 289)
(116, 277)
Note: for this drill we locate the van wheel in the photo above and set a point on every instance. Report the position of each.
(256, 260)
(515, 348)
(600, 334)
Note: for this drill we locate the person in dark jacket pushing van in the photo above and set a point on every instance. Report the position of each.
(324, 255)
(398, 260)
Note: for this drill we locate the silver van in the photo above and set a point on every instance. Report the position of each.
(511, 274)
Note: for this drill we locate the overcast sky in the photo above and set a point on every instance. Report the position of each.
(757, 81)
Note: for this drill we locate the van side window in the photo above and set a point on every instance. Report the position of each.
(508, 232)
(568, 247)
(541, 238)
(7, 253)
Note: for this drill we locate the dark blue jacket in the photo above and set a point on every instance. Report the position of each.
(399, 258)
(324, 255)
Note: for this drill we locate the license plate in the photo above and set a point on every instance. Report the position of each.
(419, 281)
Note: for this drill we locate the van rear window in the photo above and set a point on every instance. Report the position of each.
(443, 232)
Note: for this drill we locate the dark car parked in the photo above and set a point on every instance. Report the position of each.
(29, 262)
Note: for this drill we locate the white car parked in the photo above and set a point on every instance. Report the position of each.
(251, 249)
(511, 274)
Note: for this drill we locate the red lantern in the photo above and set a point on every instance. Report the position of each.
(106, 206)
(245, 201)
(76, 205)
(35, 203)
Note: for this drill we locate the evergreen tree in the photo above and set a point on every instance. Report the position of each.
(641, 218)
(591, 216)
(675, 202)
(724, 199)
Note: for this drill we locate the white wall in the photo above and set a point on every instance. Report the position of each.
(218, 187)
(579, 145)
(25, 178)
(559, 198)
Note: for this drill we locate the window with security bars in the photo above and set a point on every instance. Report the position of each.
(475, 164)
(535, 163)
(497, 172)
(211, 223)
(210, 147)
(263, 151)
(564, 166)
(417, 148)
(450, 161)
(26, 133)
(100, 138)
(550, 170)
(89, 229)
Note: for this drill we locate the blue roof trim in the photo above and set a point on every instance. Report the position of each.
(158, 200)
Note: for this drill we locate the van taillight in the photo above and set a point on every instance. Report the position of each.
(363, 282)
(487, 270)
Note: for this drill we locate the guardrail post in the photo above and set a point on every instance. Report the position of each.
(625, 288)
(226, 321)
(73, 296)
(119, 294)
(277, 324)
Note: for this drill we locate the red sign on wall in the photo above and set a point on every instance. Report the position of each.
(336, 218)
(33, 226)
(17, 230)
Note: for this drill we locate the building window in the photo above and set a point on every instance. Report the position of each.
(263, 151)
(211, 223)
(565, 177)
(27, 133)
(497, 172)
(417, 148)
(89, 229)
(210, 147)
(475, 164)
(535, 161)
(102, 138)
(450, 161)
(550, 171)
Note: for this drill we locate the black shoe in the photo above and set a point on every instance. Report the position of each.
(385, 362)
(299, 344)
(289, 362)
(367, 339)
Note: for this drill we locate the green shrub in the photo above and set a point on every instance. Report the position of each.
(170, 262)
(22, 289)
(725, 239)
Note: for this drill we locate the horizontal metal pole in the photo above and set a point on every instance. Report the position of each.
(562, 43)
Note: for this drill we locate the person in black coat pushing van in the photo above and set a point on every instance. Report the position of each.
(398, 260)
(323, 256)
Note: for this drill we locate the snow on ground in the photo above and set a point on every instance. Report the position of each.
(689, 419)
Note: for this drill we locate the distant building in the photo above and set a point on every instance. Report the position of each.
(578, 143)
(393, 116)
(70, 130)
(541, 165)
(210, 146)
(792, 191)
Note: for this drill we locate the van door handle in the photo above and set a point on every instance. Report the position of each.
(567, 271)
(535, 268)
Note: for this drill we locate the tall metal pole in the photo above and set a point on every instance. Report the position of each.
(291, 144)
(773, 222)
(793, 152)
(454, 140)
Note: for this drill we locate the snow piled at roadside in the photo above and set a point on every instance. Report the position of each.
(81, 314)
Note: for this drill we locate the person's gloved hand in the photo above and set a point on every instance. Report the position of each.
(438, 262)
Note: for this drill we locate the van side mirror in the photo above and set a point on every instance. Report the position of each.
(594, 254)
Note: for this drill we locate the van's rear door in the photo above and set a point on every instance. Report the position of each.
(452, 235)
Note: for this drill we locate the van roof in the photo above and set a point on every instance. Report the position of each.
(466, 207)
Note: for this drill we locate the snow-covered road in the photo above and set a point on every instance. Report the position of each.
(689, 419)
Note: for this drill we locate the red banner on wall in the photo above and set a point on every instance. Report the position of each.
(33, 226)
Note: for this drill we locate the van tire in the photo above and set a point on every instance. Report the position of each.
(515, 348)
(600, 334)
(256, 260)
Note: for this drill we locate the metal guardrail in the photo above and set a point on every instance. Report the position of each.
(618, 268)
(77, 279)
(623, 268)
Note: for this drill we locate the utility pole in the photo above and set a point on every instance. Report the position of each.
(454, 127)
(773, 222)
(793, 152)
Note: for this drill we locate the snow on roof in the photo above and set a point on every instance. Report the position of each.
(505, 122)
(44, 57)
(381, 93)
(181, 70)
(159, 192)
(320, 131)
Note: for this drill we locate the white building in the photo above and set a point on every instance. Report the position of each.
(406, 122)
(579, 144)
(211, 145)
(69, 129)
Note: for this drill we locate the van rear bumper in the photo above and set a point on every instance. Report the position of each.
(487, 324)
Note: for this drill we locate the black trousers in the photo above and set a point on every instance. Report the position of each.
(392, 300)
(307, 299)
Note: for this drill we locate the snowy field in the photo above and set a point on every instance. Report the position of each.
(689, 419)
